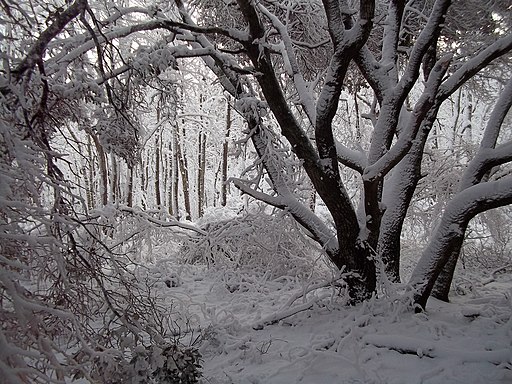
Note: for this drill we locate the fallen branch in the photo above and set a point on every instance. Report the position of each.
(170, 222)
(161, 223)
(413, 346)
(313, 287)
(276, 317)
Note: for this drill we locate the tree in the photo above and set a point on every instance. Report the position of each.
(391, 65)
(287, 65)
(63, 268)
(476, 194)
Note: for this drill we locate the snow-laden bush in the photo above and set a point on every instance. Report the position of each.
(73, 305)
(272, 243)
(158, 364)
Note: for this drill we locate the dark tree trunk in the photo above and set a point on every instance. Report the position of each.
(175, 174)
(157, 174)
(400, 196)
(443, 282)
(103, 168)
(446, 243)
(450, 247)
(171, 180)
(224, 165)
(183, 165)
(129, 197)
(90, 176)
(114, 182)
(201, 161)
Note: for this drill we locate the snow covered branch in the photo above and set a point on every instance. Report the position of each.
(392, 27)
(355, 160)
(497, 117)
(420, 348)
(488, 156)
(243, 186)
(474, 66)
(293, 69)
(427, 37)
(39, 46)
(450, 232)
(396, 153)
(158, 222)
(374, 73)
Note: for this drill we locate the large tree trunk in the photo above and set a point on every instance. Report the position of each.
(448, 238)
(443, 282)
(351, 254)
(399, 191)
(397, 200)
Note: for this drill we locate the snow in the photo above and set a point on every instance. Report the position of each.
(262, 329)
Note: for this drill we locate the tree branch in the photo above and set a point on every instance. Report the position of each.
(488, 157)
(37, 50)
(449, 234)
(473, 66)
(393, 156)
(355, 160)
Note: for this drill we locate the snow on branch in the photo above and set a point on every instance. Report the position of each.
(428, 36)
(288, 310)
(346, 47)
(497, 117)
(372, 71)
(158, 222)
(479, 198)
(483, 162)
(293, 69)
(473, 66)
(488, 157)
(107, 36)
(405, 140)
(459, 211)
(243, 186)
(355, 160)
(392, 27)
(278, 316)
(287, 200)
(37, 50)
(218, 63)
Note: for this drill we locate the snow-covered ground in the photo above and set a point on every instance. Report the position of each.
(258, 328)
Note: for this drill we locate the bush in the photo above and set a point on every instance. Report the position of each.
(258, 241)
(164, 364)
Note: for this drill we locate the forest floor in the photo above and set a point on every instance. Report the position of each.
(254, 327)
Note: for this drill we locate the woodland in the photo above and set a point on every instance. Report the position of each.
(185, 183)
